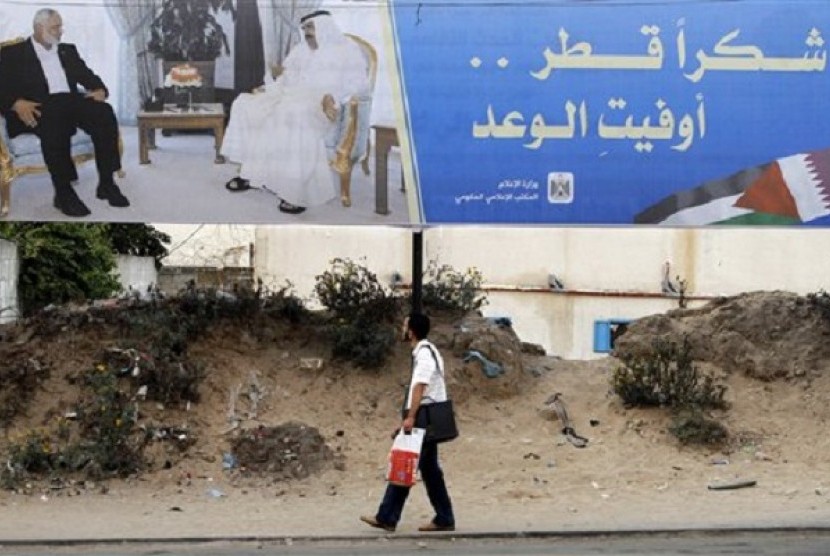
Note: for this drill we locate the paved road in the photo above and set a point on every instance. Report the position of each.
(816, 543)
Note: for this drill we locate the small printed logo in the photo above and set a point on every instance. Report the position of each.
(560, 187)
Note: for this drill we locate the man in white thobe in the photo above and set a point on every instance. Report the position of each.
(278, 136)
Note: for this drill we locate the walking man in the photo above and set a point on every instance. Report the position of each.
(427, 386)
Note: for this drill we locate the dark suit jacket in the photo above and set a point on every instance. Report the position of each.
(21, 76)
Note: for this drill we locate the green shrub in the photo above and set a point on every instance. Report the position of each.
(157, 338)
(109, 442)
(60, 263)
(285, 303)
(365, 343)
(350, 290)
(446, 288)
(33, 454)
(668, 377)
(820, 301)
(169, 378)
(362, 313)
(99, 441)
(692, 427)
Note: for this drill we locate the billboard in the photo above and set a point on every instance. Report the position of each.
(617, 113)
(561, 112)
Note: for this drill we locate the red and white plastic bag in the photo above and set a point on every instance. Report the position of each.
(403, 458)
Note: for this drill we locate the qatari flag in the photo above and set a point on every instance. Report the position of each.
(790, 190)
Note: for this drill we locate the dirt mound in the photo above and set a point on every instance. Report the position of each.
(504, 470)
(484, 355)
(289, 451)
(765, 335)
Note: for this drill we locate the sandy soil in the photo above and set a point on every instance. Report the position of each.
(511, 470)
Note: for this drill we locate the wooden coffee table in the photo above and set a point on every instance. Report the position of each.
(199, 116)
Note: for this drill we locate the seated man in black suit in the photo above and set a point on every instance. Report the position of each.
(39, 94)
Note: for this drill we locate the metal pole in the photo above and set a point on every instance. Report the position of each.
(417, 270)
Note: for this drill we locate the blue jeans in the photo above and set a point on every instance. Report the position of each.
(391, 507)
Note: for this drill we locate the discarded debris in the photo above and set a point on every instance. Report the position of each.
(215, 493)
(732, 485)
(555, 406)
(311, 363)
(229, 461)
(288, 451)
(491, 369)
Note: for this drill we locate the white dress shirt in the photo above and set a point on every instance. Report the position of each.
(52, 68)
(427, 370)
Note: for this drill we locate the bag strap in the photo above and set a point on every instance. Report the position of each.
(434, 358)
(437, 366)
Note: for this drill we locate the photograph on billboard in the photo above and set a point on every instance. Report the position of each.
(199, 111)
(681, 113)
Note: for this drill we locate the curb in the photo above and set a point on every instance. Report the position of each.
(445, 536)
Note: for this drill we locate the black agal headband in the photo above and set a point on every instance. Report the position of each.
(313, 14)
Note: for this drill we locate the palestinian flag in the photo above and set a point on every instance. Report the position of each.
(791, 190)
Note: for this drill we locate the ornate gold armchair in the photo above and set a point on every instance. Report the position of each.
(351, 141)
(22, 155)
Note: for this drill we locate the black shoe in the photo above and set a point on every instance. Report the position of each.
(111, 193)
(68, 202)
(288, 208)
(238, 184)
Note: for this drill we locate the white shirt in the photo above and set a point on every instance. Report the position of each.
(425, 371)
(52, 68)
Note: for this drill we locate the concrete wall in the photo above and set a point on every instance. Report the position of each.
(136, 273)
(208, 245)
(9, 269)
(608, 272)
(298, 254)
(173, 279)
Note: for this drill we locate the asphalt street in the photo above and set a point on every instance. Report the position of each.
(762, 543)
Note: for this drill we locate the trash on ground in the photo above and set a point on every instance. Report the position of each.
(491, 369)
(731, 485)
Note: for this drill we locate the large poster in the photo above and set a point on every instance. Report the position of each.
(620, 113)
(601, 112)
(317, 146)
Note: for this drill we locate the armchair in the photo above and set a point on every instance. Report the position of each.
(22, 155)
(350, 142)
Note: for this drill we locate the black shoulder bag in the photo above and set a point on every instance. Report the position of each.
(437, 418)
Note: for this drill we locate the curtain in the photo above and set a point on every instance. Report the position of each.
(136, 67)
(248, 53)
(282, 26)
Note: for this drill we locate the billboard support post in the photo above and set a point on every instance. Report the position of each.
(417, 270)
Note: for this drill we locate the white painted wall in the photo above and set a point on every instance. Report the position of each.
(216, 245)
(9, 270)
(721, 261)
(298, 253)
(136, 273)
